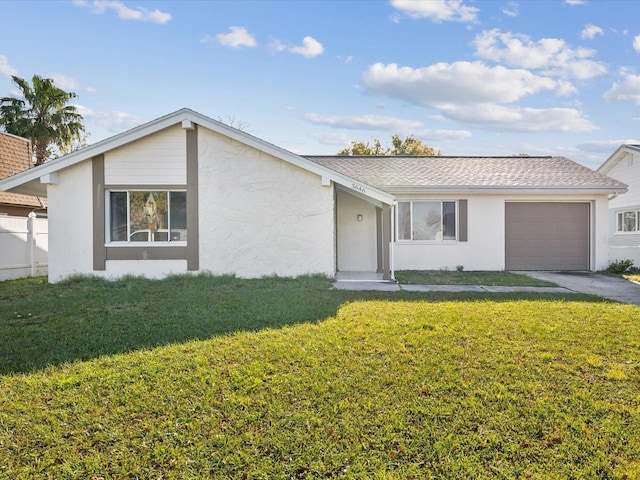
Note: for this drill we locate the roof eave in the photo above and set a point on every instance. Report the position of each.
(28, 182)
(616, 156)
(511, 190)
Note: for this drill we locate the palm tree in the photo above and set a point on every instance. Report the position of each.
(43, 116)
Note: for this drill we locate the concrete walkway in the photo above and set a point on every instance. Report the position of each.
(612, 288)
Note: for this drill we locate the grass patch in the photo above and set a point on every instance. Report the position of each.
(281, 379)
(449, 277)
(634, 277)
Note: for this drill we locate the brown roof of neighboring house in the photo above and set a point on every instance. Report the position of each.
(15, 157)
(402, 172)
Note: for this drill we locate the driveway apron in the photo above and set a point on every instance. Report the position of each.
(613, 288)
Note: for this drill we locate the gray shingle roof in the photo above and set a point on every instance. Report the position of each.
(400, 173)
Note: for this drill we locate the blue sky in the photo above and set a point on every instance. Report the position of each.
(484, 77)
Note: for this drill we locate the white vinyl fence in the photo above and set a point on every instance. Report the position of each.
(24, 245)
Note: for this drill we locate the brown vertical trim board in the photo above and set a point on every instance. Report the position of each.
(193, 240)
(99, 249)
(462, 221)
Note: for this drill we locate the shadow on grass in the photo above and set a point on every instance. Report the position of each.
(85, 318)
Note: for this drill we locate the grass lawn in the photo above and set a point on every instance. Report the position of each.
(209, 377)
(454, 277)
(635, 277)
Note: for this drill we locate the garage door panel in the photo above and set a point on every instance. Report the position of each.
(547, 236)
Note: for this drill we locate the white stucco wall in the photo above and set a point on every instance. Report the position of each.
(261, 216)
(485, 248)
(70, 223)
(357, 240)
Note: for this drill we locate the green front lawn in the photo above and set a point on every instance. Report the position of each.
(276, 379)
(454, 277)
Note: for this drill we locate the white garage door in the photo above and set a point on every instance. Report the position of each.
(547, 236)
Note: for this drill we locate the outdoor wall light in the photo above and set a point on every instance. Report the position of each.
(359, 217)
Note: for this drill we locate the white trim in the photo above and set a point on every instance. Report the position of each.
(184, 116)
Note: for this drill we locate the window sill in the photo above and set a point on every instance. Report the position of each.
(427, 242)
(145, 244)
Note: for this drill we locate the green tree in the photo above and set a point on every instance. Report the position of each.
(43, 116)
(408, 146)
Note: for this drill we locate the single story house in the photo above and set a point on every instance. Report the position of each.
(185, 193)
(15, 157)
(624, 210)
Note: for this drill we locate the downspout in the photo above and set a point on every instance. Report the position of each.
(392, 241)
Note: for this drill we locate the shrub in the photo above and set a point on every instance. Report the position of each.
(620, 266)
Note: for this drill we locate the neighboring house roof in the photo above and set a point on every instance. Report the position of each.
(30, 182)
(15, 157)
(615, 158)
(440, 174)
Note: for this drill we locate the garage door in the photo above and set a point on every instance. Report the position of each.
(547, 236)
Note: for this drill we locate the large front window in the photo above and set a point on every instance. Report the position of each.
(628, 221)
(148, 216)
(427, 220)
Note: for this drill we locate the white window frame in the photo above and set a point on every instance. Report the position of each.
(620, 215)
(128, 242)
(434, 241)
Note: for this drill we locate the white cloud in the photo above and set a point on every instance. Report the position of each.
(310, 48)
(575, 2)
(636, 43)
(277, 46)
(6, 70)
(365, 122)
(511, 10)
(113, 122)
(332, 138)
(440, 135)
(590, 32)
(605, 146)
(68, 84)
(236, 38)
(628, 90)
(473, 93)
(551, 55)
(455, 83)
(139, 14)
(437, 10)
(518, 119)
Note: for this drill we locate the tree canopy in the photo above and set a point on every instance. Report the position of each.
(44, 116)
(408, 146)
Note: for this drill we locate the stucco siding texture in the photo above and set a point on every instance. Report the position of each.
(70, 221)
(259, 215)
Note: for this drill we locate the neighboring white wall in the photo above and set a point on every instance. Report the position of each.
(261, 216)
(623, 246)
(357, 240)
(71, 223)
(159, 159)
(485, 248)
(23, 251)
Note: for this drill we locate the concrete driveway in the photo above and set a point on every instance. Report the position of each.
(605, 286)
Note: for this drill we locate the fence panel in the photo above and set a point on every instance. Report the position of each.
(23, 247)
